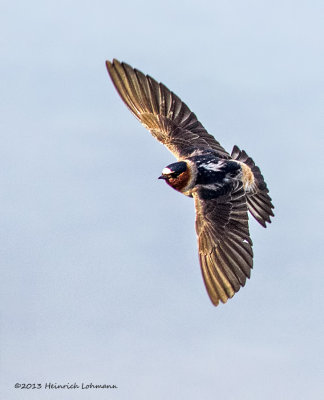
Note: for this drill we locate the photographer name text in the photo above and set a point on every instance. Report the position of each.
(56, 386)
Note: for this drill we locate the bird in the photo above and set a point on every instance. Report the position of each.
(224, 186)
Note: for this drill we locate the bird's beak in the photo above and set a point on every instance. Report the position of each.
(162, 177)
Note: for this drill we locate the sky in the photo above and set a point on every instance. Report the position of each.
(100, 280)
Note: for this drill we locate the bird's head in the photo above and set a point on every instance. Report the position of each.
(177, 175)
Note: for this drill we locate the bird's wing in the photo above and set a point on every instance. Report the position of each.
(168, 119)
(225, 247)
(258, 200)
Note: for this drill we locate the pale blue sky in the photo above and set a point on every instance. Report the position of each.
(100, 275)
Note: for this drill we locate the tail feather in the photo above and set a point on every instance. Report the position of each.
(258, 201)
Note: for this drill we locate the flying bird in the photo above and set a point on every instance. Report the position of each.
(224, 186)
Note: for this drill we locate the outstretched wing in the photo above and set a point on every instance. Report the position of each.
(225, 247)
(168, 119)
(258, 200)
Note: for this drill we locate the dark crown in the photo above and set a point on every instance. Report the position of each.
(177, 168)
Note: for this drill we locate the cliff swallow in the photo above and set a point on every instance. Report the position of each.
(224, 186)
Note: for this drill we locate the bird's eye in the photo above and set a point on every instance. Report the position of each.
(172, 175)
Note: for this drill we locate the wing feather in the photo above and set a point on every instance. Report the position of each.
(225, 247)
(162, 112)
(258, 200)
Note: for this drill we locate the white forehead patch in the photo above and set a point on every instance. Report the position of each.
(166, 171)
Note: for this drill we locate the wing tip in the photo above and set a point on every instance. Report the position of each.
(113, 64)
(110, 66)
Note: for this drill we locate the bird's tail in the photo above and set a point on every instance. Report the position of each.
(258, 200)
